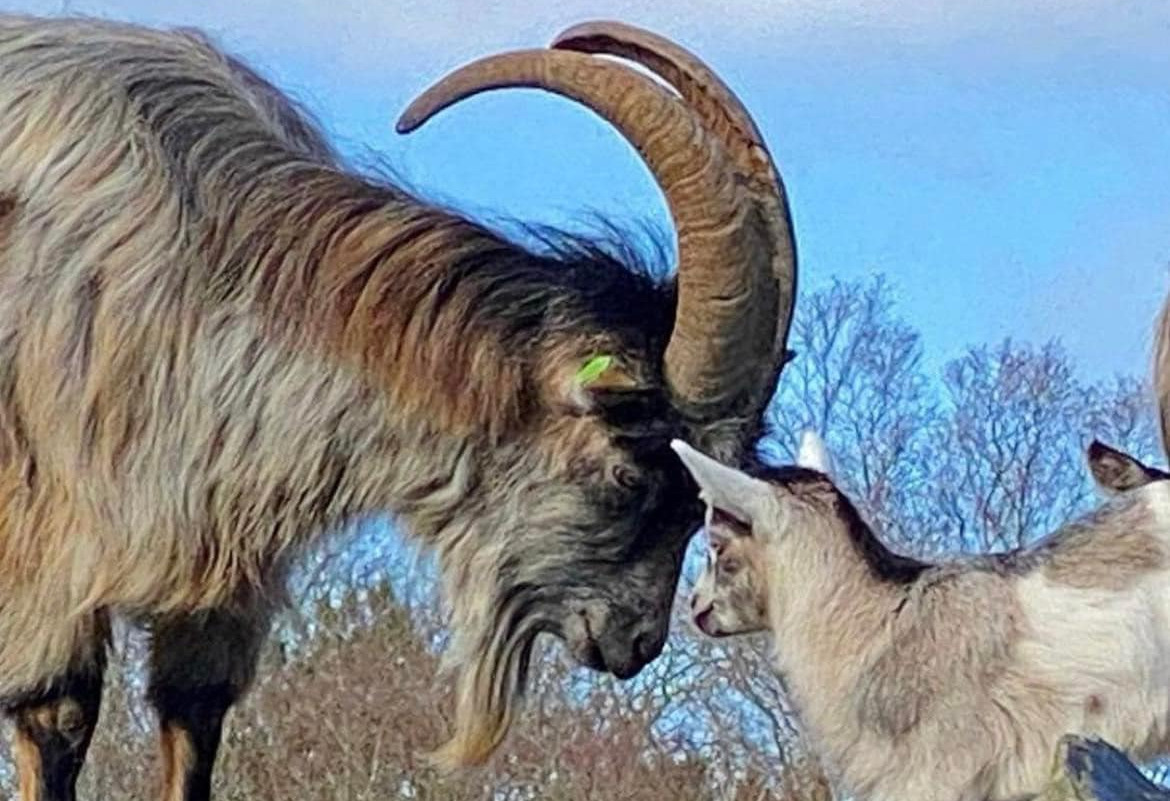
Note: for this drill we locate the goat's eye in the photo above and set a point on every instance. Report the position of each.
(729, 566)
(626, 477)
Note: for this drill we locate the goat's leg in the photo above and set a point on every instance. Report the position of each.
(54, 725)
(200, 666)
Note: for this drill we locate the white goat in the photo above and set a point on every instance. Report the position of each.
(946, 682)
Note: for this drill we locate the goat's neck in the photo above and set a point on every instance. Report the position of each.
(827, 607)
(385, 314)
(406, 293)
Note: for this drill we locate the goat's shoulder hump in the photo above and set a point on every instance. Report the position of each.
(1156, 496)
(1114, 545)
(956, 626)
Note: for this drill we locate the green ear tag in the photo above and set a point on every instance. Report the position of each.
(592, 369)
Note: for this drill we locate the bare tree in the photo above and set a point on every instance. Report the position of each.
(859, 382)
(1007, 460)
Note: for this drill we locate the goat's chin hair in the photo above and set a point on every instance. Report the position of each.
(492, 678)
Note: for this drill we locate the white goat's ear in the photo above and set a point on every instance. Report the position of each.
(722, 487)
(814, 454)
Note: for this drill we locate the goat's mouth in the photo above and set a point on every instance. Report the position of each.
(704, 620)
(587, 650)
(588, 654)
(582, 643)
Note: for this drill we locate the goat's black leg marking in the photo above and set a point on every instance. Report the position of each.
(200, 666)
(53, 729)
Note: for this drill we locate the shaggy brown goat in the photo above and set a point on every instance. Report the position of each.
(217, 343)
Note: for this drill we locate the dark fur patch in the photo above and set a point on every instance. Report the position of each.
(57, 723)
(884, 564)
(1118, 471)
(1077, 554)
(191, 719)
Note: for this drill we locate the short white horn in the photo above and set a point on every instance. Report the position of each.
(813, 453)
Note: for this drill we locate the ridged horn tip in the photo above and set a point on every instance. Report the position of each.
(586, 30)
(407, 123)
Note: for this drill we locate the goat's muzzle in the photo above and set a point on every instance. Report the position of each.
(621, 645)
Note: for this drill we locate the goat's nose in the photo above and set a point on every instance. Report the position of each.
(644, 647)
(648, 642)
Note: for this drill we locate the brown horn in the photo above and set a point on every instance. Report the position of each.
(726, 298)
(726, 117)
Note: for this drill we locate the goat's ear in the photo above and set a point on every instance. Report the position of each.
(1116, 471)
(814, 454)
(724, 488)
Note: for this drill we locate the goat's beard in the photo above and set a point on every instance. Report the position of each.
(492, 666)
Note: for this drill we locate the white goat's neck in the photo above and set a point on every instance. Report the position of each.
(827, 608)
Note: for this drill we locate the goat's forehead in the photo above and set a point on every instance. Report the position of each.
(722, 543)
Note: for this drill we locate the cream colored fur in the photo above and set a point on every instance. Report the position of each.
(957, 684)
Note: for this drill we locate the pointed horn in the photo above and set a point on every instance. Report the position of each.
(725, 115)
(724, 286)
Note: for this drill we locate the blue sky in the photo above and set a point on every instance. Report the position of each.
(1005, 162)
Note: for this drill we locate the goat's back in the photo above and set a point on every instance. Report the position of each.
(133, 380)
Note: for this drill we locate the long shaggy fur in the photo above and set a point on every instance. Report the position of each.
(216, 343)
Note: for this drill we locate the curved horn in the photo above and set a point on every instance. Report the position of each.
(726, 298)
(725, 115)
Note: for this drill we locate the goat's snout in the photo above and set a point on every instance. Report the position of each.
(621, 644)
(704, 617)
